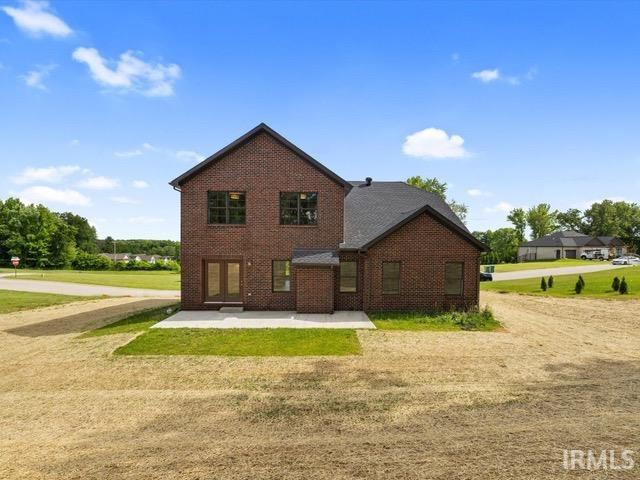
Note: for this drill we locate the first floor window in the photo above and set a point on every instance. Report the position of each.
(227, 207)
(453, 278)
(348, 277)
(390, 277)
(298, 208)
(281, 275)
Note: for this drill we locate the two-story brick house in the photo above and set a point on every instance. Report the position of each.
(267, 227)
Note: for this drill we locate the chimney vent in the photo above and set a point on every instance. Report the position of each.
(368, 181)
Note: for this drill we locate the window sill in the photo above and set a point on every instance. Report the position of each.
(227, 225)
(297, 226)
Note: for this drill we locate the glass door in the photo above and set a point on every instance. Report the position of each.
(223, 281)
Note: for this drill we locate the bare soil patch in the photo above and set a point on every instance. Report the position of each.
(436, 405)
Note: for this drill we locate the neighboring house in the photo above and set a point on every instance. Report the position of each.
(136, 257)
(569, 244)
(267, 227)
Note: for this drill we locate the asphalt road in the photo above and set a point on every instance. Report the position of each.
(67, 288)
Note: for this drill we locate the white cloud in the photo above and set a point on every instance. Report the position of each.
(129, 73)
(42, 194)
(476, 192)
(45, 174)
(124, 200)
(486, 76)
(139, 184)
(35, 78)
(499, 207)
(99, 183)
(145, 220)
(455, 57)
(188, 156)
(434, 143)
(35, 18)
(128, 153)
(74, 143)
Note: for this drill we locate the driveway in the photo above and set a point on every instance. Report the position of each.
(81, 289)
(216, 319)
(545, 272)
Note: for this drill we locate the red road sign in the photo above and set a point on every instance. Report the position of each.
(15, 261)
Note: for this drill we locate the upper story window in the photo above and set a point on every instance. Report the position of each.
(390, 277)
(227, 207)
(453, 278)
(298, 208)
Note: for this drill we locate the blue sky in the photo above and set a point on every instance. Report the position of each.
(101, 104)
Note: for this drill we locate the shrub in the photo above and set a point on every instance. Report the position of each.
(473, 319)
(624, 288)
(90, 261)
(543, 285)
(579, 287)
(581, 280)
(550, 282)
(616, 284)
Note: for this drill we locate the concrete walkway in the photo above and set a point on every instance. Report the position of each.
(265, 319)
(545, 272)
(66, 288)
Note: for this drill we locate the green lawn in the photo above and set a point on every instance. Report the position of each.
(160, 280)
(244, 342)
(437, 321)
(597, 284)
(565, 262)
(12, 301)
(135, 323)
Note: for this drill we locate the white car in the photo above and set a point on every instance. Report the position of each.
(626, 260)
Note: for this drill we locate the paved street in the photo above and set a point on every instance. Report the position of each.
(544, 272)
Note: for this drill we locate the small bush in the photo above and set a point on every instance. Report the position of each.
(543, 285)
(550, 282)
(616, 284)
(579, 287)
(581, 280)
(90, 261)
(624, 288)
(473, 319)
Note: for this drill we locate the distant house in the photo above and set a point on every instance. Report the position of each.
(136, 257)
(570, 244)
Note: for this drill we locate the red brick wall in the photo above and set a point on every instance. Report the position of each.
(262, 168)
(423, 246)
(314, 289)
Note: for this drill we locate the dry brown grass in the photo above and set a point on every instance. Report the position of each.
(455, 405)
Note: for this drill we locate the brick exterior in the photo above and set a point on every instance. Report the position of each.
(423, 246)
(263, 167)
(314, 289)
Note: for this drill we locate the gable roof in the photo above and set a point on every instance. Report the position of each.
(315, 257)
(262, 128)
(371, 212)
(570, 238)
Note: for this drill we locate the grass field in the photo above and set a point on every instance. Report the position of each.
(137, 322)
(12, 301)
(244, 342)
(441, 321)
(160, 280)
(565, 262)
(563, 373)
(597, 284)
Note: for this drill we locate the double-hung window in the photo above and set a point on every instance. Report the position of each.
(390, 277)
(453, 278)
(298, 208)
(227, 207)
(281, 276)
(348, 277)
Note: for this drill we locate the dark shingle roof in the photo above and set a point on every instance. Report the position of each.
(569, 238)
(372, 212)
(318, 256)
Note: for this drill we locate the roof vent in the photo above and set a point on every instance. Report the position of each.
(368, 181)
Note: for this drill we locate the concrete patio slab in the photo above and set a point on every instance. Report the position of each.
(265, 319)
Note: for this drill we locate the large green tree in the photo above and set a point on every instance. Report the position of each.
(439, 188)
(85, 234)
(571, 219)
(518, 218)
(618, 219)
(541, 220)
(503, 243)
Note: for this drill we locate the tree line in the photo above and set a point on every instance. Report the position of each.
(46, 239)
(605, 218)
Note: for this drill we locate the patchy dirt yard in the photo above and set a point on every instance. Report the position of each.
(564, 374)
